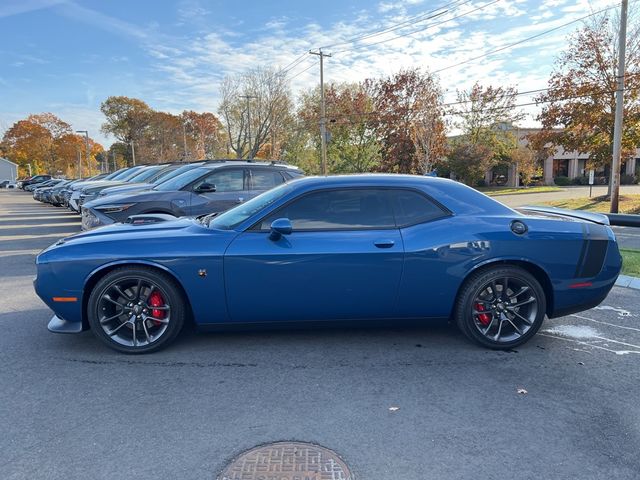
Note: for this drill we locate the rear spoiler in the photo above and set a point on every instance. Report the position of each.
(564, 212)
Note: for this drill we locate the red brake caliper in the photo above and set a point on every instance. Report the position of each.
(484, 318)
(156, 300)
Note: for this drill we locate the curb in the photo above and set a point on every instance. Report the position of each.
(628, 282)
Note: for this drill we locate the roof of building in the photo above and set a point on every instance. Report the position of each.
(8, 161)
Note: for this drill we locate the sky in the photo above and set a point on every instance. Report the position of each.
(67, 56)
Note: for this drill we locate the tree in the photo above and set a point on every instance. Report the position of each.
(579, 105)
(469, 161)
(48, 144)
(126, 118)
(353, 146)
(527, 164)
(407, 120)
(254, 107)
(207, 134)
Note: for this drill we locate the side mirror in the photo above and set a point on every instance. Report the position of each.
(280, 227)
(206, 188)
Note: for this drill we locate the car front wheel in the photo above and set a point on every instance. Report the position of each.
(500, 307)
(136, 310)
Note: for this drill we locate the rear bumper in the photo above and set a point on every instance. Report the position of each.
(59, 325)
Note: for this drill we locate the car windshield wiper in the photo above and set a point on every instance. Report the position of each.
(206, 219)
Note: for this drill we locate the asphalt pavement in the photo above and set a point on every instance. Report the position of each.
(395, 403)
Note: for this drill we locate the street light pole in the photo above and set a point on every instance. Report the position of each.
(618, 123)
(86, 144)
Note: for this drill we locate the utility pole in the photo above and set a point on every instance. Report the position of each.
(184, 137)
(133, 153)
(247, 98)
(86, 144)
(617, 126)
(114, 161)
(323, 118)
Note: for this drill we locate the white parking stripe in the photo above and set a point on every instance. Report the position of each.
(617, 352)
(605, 323)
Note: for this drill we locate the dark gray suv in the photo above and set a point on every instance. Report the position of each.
(214, 187)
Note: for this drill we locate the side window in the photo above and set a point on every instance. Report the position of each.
(265, 179)
(411, 208)
(227, 180)
(337, 209)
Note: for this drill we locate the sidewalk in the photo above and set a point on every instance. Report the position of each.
(628, 282)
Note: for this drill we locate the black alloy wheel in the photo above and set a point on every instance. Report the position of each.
(136, 309)
(500, 307)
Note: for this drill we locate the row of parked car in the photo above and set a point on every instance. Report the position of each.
(148, 193)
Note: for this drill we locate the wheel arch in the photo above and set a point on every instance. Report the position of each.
(538, 272)
(96, 275)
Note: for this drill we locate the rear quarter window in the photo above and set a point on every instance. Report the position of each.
(411, 208)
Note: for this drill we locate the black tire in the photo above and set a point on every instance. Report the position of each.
(139, 323)
(484, 307)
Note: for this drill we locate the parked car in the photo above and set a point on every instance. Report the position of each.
(33, 180)
(334, 249)
(58, 191)
(214, 187)
(43, 187)
(113, 179)
(7, 184)
(162, 176)
(34, 186)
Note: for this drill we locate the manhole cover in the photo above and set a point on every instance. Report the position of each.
(287, 461)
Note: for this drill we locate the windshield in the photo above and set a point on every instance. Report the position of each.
(116, 174)
(173, 172)
(144, 174)
(131, 173)
(176, 183)
(237, 215)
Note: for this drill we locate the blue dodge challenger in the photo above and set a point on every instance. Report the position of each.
(333, 249)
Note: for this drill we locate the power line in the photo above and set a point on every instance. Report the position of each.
(357, 47)
(302, 71)
(505, 47)
(411, 21)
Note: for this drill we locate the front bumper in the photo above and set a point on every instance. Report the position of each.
(59, 325)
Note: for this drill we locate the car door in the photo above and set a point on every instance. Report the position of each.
(231, 188)
(343, 260)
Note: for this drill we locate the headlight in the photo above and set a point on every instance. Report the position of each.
(114, 208)
(89, 220)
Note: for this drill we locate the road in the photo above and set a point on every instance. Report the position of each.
(566, 193)
(627, 237)
(72, 409)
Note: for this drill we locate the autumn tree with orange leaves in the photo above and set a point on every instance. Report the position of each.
(48, 144)
(579, 105)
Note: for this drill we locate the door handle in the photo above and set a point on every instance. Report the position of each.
(384, 243)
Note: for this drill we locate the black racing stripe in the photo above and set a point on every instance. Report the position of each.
(594, 258)
(583, 251)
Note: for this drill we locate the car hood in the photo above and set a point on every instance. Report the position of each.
(128, 197)
(128, 187)
(126, 232)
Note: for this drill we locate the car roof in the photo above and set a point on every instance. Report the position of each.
(217, 163)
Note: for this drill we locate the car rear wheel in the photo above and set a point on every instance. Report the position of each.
(136, 310)
(500, 307)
